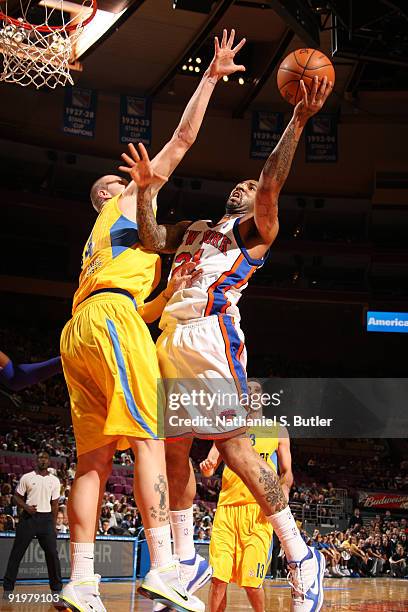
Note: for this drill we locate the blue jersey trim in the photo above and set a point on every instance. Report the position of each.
(235, 344)
(237, 236)
(123, 235)
(131, 404)
(220, 299)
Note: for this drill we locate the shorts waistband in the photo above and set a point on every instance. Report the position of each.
(210, 321)
(102, 294)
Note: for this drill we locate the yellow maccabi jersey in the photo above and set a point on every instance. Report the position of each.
(233, 491)
(113, 258)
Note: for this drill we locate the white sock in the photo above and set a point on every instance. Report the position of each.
(288, 533)
(182, 527)
(159, 543)
(82, 560)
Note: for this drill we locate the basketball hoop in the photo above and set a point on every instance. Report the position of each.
(39, 54)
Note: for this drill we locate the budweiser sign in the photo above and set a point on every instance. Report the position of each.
(388, 501)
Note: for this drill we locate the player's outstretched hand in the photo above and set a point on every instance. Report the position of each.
(182, 277)
(207, 468)
(312, 103)
(139, 167)
(223, 61)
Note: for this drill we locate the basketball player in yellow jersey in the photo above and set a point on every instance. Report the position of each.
(111, 368)
(241, 539)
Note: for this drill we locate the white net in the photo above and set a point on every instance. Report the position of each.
(32, 56)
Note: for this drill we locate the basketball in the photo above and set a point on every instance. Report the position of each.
(302, 64)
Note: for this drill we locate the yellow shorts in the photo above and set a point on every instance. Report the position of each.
(111, 369)
(241, 545)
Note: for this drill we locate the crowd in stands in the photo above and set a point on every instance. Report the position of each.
(378, 473)
(119, 514)
(375, 548)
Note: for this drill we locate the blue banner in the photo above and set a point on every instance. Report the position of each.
(135, 120)
(267, 128)
(396, 322)
(80, 112)
(321, 138)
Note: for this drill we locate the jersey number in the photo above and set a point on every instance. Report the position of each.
(186, 256)
(260, 571)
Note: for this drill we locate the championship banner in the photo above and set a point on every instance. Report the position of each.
(80, 112)
(267, 128)
(386, 501)
(135, 120)
(321, 138)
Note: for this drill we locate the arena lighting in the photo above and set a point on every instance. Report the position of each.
(197, 6)
(241, 81)
(225, 78)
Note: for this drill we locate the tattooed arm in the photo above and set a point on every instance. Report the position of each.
(278, 164)
(155, 237)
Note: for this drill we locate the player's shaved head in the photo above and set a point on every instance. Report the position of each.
(105, 188)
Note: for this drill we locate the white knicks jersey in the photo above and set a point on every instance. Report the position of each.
(226, 269)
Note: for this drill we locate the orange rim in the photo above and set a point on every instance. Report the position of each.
(47, 28)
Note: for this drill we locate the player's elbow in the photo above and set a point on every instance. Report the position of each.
(184, 138)
(289, 479)
(267, 228)
(152, 242)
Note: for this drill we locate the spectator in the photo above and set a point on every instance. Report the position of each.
(201, 535)
(355, 519)
(105, 528)
(398, 563)
(60, 527)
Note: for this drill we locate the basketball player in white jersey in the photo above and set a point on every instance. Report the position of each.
(202, 342)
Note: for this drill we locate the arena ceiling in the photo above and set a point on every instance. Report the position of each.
(144, 50)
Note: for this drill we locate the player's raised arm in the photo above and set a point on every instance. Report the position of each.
(278, 164)
(155, 237)
(187, 130)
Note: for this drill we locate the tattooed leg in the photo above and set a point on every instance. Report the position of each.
(150, 482)
(260, 479)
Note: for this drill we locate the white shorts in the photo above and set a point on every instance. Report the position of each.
(203, 366)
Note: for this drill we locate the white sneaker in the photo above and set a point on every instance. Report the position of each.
(306, 580)
(164, 585)
(194, 574)
(83, 595)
